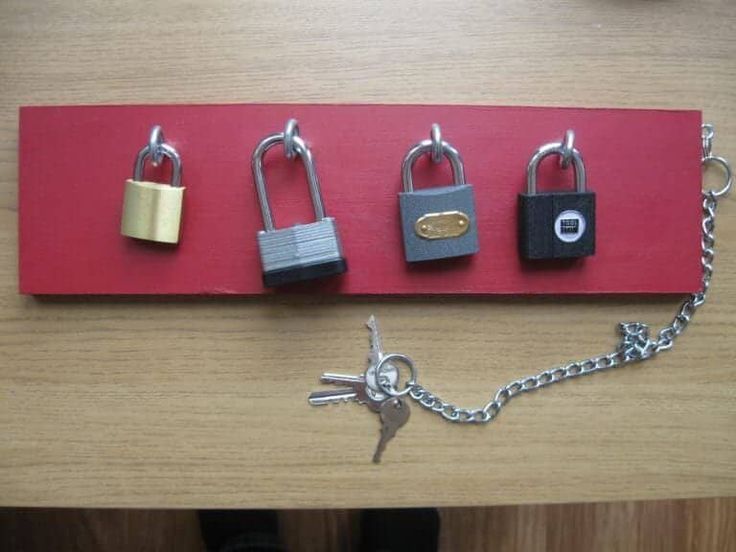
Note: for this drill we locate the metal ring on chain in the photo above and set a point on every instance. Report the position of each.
(714, 159)
(290, 131)
(435, 136)
(568, 145)
(383, 382)
(155, 142)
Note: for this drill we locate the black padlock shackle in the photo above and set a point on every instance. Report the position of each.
(301, 148)
(567, 152)
(162, 150)
(427, 146)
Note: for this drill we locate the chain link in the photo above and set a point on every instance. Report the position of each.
(635, 345)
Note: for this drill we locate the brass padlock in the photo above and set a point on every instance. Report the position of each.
(152, 211)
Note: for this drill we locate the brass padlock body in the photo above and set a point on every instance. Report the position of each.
(152, 211)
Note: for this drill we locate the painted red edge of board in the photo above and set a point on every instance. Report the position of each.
(644, 166)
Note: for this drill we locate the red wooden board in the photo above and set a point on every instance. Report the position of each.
(644, 166)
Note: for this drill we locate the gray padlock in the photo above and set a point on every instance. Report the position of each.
(303, 251)
(437, 223)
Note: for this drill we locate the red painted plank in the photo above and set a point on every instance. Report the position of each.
(644, 166)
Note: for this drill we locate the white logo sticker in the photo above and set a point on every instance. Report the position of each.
(569, 226)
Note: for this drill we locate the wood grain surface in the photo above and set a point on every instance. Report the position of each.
(186, 403)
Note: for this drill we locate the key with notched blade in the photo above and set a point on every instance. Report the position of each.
(363, 389)
(344, 394)
(394, 414)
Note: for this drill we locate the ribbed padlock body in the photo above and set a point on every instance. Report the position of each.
(301, 252)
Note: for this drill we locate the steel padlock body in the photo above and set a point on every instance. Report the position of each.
(301, 252)
(557, 225)
(152, 211)
(438, 223)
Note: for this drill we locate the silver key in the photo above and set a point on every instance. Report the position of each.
(329, 396)
(390, 372)
(376, 343)
(394, 414)
(363, 389)
(354, 391)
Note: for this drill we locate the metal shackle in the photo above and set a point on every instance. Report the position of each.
(156, 150)
(291, 139)
(438, 148)
(567, 152)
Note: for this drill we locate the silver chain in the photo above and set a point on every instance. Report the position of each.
(635, 344)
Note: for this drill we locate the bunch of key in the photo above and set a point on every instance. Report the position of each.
(369, 389)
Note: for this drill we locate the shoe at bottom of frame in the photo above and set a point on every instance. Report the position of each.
(399, 530)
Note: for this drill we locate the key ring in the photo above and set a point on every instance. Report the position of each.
(291, 130)
(435, 136)
(156, 142)
(709, 158)
(384, 384)
(729, 175)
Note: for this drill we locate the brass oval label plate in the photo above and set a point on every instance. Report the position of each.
(439, 226)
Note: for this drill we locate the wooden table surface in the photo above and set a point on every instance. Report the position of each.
(202, 402)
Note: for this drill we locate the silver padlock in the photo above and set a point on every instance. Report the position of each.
(437, 223)
(303, 251)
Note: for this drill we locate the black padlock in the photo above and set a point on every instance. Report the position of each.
(557, 225)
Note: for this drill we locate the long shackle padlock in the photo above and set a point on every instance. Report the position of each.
(152, 211)
(439, 222)
(303, 251)
(557, 225)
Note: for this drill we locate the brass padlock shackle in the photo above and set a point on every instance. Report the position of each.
(156, 150)
(438, 149)
(293, 144)
(567, 152)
